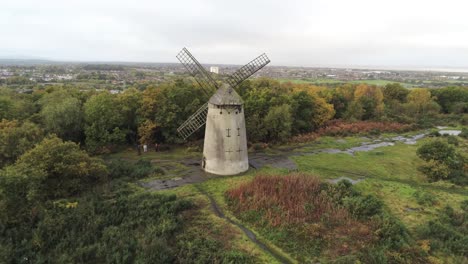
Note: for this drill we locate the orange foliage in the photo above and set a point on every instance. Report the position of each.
(340, 128)
(297, 197)
(298, 201)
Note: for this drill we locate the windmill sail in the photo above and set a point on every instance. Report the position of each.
(195, 69)
(194, 122)
(248, 70)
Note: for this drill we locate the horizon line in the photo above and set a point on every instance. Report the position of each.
(447, 69)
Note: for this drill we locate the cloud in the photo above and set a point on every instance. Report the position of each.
(304, 33)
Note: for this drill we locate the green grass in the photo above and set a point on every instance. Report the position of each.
(390, 173)
(334, 81)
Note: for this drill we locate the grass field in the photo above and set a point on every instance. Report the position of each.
(390, 173)
(333, 81)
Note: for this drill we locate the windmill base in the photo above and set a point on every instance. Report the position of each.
(226, 169)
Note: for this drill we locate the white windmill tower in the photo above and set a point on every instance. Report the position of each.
(225, 146)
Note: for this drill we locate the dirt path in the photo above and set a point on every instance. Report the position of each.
(217, 210)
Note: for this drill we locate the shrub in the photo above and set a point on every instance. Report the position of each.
(452, 140)
(319, 217)
(341, 128)
(142, 168)
(449, 232)
(118, 228)
(442, 161)
(464, 133)
(363, 207)
(434, 133)
(425, 198)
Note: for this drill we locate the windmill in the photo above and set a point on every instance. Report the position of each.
(225, 145)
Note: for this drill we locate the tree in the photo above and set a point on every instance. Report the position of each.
(278, 123)
(420, 104)
(57, 169)
(395, 92)
(452, 99)
(103, 122)
(130, 102)
(371, 100)
(309, 111)
(15, 106)
(16, 138)
(263, 95)
(62, 114)
(169, 105)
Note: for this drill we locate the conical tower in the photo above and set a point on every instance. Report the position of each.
(225, 146)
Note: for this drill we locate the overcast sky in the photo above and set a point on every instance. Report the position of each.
(396, 33)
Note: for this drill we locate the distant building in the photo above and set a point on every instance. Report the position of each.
(214, 69)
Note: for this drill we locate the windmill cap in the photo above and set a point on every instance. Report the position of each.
(226, 96)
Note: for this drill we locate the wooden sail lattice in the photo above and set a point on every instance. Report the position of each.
(194, 122)
(248, 70)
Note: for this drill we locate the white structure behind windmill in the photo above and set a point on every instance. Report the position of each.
(214, 69)
(225, 145)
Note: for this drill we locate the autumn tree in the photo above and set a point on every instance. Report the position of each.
(309, 111)
(395, 92)
(421, 104)
(169, 105)
(371, 100)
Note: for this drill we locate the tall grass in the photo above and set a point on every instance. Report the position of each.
(305, 207)
(292, 199)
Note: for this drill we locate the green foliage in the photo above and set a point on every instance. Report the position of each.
(442, 162)
(464, 133)
(452, 99)
(103, 122)
(125, 227)
(363, 207)
(15, 106)
(278, 123)
(17, 138)
(449, 232)
(436, 150)
(425, 198)
(55, 169)
(395, 92)
(168, 106)
(452, 140)
(120, 168)
(62, 114)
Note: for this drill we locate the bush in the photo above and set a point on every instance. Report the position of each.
(442, 162)
(363, 207)
(341, 128)
(425, 198)
(449, 232)
(452, 140)
(464, 133)
(131, 228)
(434, 133)
(142, 168)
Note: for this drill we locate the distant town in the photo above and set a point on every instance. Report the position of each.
(25, 75)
